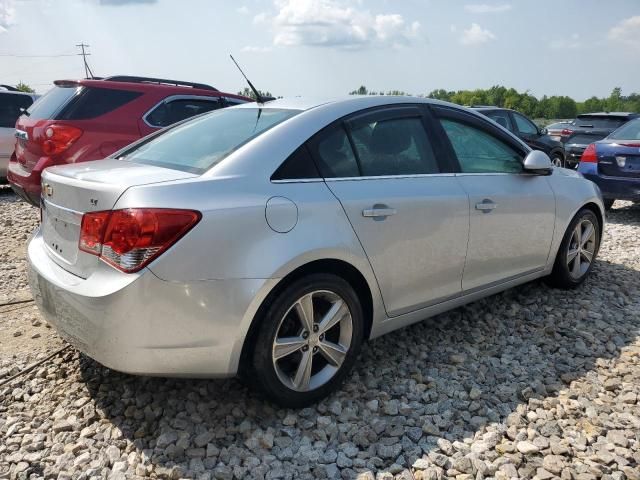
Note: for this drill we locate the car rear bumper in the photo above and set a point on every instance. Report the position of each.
(616, 188)
(26, 184)
(573, 153)
(141, 324)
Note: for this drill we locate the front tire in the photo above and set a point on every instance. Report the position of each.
(558, 160)
(577, 251)
(308, 340)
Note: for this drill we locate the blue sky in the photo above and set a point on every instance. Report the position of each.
(329, 47)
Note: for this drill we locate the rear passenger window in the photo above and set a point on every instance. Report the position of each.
(174, 111)
(11, 105)
(480, 152)
(93, 102)
(334, 155)
(397, 146)
(299, 165)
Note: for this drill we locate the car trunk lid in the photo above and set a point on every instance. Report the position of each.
(72, 190)
(619, 159)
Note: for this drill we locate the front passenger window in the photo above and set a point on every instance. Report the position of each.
(480, 152)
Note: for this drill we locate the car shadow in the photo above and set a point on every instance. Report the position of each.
(626, 213)
(448, 376)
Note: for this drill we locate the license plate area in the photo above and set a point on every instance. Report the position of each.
(61, 231)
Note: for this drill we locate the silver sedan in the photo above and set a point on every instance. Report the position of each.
(272, 240)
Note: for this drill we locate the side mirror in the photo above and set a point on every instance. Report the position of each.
(538, 162)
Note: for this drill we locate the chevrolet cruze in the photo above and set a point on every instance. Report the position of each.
(273, 240)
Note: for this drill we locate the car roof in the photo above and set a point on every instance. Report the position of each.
(170, 87)
(609, 114)
(357, 102)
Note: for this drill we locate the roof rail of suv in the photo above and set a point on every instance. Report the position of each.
(159, 81)
(10, 88)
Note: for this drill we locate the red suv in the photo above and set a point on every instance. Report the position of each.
(81, 120)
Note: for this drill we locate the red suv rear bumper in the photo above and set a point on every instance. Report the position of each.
(26, 183)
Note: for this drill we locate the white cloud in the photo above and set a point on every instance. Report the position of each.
(484, 8)
(476, 35)
(339, 23)
(572, 42)
(254, 49)
(7, 14)
(243, 10)
(260, 18)
(627, 31)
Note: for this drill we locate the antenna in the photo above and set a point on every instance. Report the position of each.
(259, 98)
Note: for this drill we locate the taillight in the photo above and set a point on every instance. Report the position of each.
(565, 132)
(57, 138)
(590, 155)
(130, 239)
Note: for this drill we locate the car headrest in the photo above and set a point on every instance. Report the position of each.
(390, 138)
(502, 121)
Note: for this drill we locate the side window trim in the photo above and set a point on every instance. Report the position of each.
(173, 98)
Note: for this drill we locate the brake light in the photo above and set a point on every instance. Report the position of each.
(590, 155)
(130, 239)
(565, 132)
(57, 138)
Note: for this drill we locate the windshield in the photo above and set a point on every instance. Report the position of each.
(629, 131)
(199, 144)
(599, 122)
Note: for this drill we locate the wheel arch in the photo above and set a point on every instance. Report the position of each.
(338, 267)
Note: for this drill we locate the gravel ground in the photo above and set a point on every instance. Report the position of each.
(531, 383)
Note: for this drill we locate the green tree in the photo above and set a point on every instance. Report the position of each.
(360, 91)
(23, 87)
(247, 92)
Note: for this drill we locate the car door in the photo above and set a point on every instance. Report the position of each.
(410, 215)
(11, 105)
(512, 213)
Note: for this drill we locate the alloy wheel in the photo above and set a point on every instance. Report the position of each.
(582, 247)
(312, 340)
(557, 161)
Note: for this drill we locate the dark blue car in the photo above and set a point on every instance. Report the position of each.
(614, 164)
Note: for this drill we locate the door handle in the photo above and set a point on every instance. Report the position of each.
(378, 211)
(486, 206)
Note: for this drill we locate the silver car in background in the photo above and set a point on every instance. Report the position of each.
(12, 104)
(274, 239)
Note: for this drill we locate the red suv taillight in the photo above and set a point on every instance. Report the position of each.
(130, 239)
(57, 138)
(565, 132)
(590, 155)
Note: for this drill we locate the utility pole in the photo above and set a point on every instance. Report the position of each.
(87, 71)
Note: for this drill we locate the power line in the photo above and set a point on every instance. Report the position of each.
(38, 56)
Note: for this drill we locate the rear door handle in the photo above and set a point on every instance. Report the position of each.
(486, 206)
(378, 212)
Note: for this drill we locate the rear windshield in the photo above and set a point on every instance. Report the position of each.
(51, 102)
(629, 131)
(600, 122)
(199, 144)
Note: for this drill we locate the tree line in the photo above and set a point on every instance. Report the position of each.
(544, 107)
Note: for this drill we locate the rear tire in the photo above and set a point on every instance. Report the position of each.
(296, 361)
(577, 252)
(608, 203)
